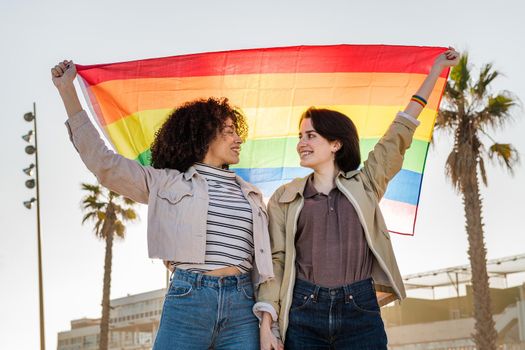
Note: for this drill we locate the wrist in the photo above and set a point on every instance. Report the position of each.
(436, 69)
(266, 321)
(66, 89)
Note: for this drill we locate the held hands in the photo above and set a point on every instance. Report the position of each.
(63, 74)
(268, 340)
(448, 58)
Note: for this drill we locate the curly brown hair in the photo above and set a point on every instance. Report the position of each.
(185, 136)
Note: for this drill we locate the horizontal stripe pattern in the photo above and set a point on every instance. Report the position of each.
(251, 91)
(299, 59)
(274, 86)
(229, 236)
(396, 213)
(264, 123)
(252, 155)
(404, 187)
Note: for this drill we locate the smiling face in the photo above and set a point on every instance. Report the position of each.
(225, 148)
(314, 150)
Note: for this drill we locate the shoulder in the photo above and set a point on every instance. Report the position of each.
(288, 192)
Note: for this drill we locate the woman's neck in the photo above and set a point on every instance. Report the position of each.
(324, 178)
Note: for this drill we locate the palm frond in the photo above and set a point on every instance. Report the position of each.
(98, 228)
(91, 202)
(88, 216)
(120, 229)
(505, 154)
(101, 205)
(452, 169)
(446, 119)
(486, 76)
(95, 189)
(129, 214)
(497, 111)
(113, 195)
(451, 94)
(460, 74)
(129, 202)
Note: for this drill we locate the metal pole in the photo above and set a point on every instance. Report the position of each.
(39, 242)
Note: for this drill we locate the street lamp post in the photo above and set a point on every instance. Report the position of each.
(32, 183)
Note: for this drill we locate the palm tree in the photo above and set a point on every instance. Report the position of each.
(109, 211)
(470, 110)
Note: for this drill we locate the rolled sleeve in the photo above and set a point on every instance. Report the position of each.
(404, 116)
(261, 307)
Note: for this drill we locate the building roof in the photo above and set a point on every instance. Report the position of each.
(458, 275)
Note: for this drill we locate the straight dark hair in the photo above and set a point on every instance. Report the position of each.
(333, 125)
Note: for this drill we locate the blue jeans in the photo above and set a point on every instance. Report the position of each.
(206, 312)
(347, 317)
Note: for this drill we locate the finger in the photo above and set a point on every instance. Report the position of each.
(59, 69)
(55, 73)
(63, 66)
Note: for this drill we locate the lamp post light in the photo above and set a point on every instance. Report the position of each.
(32, 183)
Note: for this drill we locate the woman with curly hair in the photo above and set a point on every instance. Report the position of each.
(207, 222)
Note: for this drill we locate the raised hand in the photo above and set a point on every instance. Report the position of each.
(63, 74)
(448, 58)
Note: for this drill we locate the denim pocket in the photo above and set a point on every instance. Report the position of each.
(247, 291)
(366, 303)
(300, 300)
(179, 289)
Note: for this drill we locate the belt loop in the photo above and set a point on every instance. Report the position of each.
(238, 278)
(316, 293)
(347, 294)
(198, 282)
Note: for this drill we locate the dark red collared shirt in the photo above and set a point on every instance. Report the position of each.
(331, 246)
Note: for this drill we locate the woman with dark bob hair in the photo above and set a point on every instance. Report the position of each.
(206, 222)
(332, 257)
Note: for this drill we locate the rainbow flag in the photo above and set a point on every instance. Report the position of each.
(273, 86)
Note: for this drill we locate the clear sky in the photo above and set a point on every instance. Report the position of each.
(34, 35)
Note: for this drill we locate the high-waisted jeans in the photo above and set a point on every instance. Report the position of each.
(347, 317)
(207, 312)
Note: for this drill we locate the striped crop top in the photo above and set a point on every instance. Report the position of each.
(229, 231)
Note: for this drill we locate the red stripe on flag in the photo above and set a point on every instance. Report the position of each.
(293, 59)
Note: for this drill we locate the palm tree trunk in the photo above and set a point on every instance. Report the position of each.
(108, 231)
(485, 336)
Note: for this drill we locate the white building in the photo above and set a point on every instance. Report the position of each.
(134, 321)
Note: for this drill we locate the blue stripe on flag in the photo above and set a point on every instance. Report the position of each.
(404, 187)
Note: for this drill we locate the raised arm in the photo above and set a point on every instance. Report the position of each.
(447, 59)
(63, 75)
(386, 159)
(124, 176)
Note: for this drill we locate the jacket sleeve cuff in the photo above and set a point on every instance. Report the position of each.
(76, 121)
(261, 307)
(404, 117)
